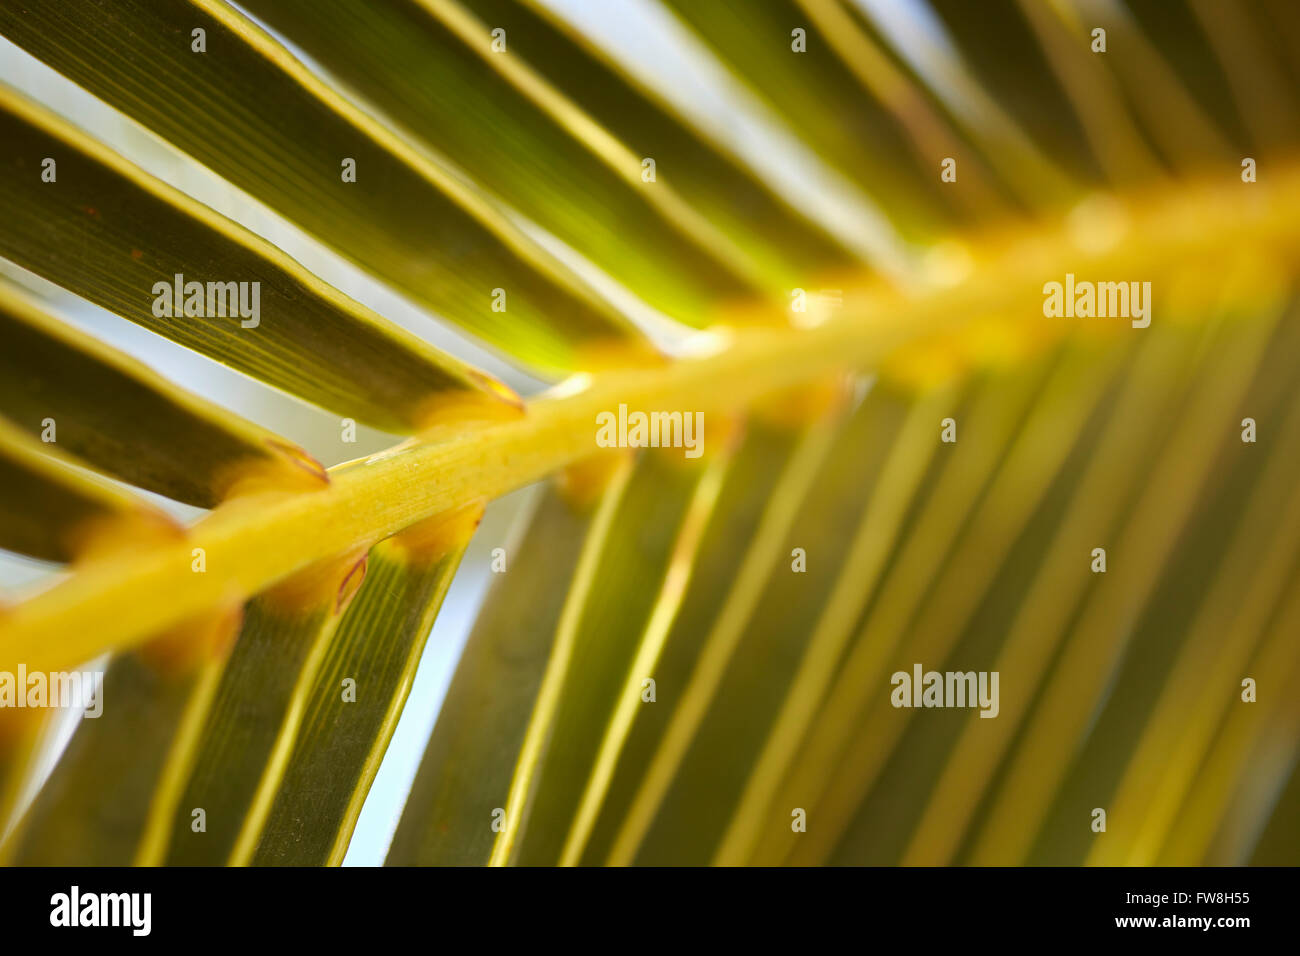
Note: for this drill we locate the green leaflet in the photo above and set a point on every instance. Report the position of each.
(1032, 456)
(563, 111)
(259, 705)
(987, 558)
(1034, 87)
(458, 801)
(597, 641)
(897, 126)
(959, 476)
(273, 128)
(1279, 830)
(110, 798)
(660, 741)
(21, 735)
(1096, 644)
(118, 237)
(430, 66)
(377, 647)
(1206, 831)
(122, 417)
(53, 508)
(1047, 584)
(1039, 102)
(886, 507)
(1245, 742)
(819, 97)
(694, 810)
(777, 235)
(1199, 629)
(758, 472)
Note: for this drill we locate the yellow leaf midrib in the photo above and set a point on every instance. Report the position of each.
(254, 541)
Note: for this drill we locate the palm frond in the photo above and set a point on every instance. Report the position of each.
(688, 653)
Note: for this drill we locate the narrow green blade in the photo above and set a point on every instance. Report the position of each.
(821, 99)
(430, 64)
(698, 166)
(282, 134)
(694, 812)
(122, 417)
(111, 797)
(259, 705)
(669, 649)
(118, 237)
(1097, 643)
(458, 803)
(706, 642)
(597, 642)
(21, 745)
(55, 509)
(359, 692)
